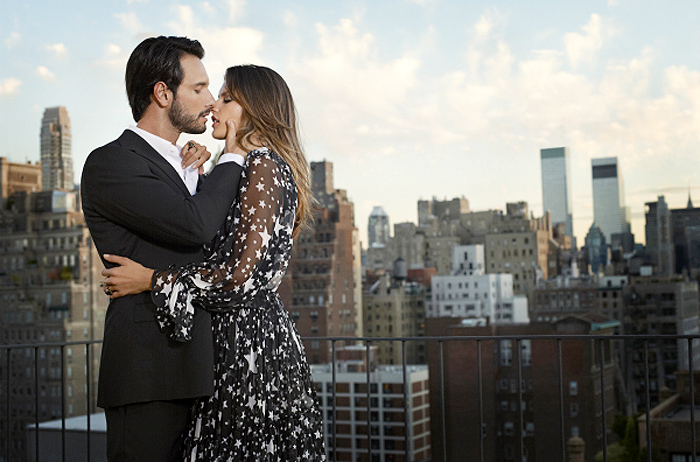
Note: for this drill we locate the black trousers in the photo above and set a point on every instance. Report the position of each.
(150, 431)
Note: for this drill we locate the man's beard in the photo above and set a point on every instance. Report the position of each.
(186, 123)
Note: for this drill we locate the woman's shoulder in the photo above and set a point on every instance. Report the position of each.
(257, 157)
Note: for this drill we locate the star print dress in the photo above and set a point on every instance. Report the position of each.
(264, 404)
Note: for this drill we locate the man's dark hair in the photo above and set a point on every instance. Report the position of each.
(156, 59)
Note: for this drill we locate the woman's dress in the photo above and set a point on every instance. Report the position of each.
(264, 404)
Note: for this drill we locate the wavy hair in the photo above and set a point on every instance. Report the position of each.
(270, 120)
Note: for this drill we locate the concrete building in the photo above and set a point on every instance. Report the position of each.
(659, 237)
(56, 158)
(393, 417)
(556, 187)
(596, 250)
(659, 305)
(521, 246)
(323, 288)
(48, 286)
(520, 383)
(671, 423)
(378, 230)
(445, 210)
(685, 234)
(470, 293)
(610, 211)
(395, 307)
(16, 177)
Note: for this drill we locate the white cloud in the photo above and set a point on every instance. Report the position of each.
(483, 28)
(9, 86)
(349, 86)
(113, 58)
(130, 22)
(13, 39)
(582, 48)
(45, 74)
(224, 46)
(59, 50)
(235, 9)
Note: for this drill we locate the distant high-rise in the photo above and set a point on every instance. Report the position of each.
(609, 210)
(56, 159)
(556, 187)
(378, 227)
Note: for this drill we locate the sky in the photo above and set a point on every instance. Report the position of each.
(409, 99)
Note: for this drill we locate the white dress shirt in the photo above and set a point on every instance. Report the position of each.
(173, 154)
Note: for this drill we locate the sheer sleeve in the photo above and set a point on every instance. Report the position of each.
(248, 255)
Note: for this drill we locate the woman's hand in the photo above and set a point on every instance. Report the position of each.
(195, 155)
(127, 278)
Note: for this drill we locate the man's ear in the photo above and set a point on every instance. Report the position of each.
(162, 94)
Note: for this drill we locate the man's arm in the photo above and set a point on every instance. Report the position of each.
(123, 188)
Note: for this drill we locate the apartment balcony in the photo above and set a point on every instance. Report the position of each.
(503, 397)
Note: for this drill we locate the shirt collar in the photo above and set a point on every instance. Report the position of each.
(162, 146)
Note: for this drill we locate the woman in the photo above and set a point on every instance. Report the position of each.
(264, 406)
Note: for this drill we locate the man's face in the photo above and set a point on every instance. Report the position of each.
(193, 101)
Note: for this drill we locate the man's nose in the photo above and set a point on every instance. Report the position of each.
(211, 101)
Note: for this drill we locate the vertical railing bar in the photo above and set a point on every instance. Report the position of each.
(36, 402)
(9, 423)
(481, 402)
(335, 403)
(602, 399)
(88, 379)
(561, 400)
(691, 380)
(63, 402)
(521, 417)
(408, 430)
(647, 409)
(442, 401)
(369, 399)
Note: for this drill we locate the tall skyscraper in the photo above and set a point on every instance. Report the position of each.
(56, 159)
(378, 227)
(556, 187)
(610, 212)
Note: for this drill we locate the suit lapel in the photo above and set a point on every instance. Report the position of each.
(138, 145)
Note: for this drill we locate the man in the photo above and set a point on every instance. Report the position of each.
(140, 202)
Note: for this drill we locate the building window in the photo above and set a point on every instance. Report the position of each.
(573, 388)
(573, 409)
(508, 428)
(506, 352)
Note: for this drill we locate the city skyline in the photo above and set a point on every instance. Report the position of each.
(399, 105)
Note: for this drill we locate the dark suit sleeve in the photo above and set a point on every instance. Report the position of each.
(126, 189)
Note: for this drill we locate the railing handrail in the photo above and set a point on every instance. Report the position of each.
(452, 338)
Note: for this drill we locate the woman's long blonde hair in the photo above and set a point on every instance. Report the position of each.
(271, 121)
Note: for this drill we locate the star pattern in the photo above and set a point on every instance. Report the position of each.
(264, 407)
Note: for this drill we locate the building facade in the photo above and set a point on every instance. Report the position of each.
(16, 177)
(48, 286)
(610, 211)
(323, 286)
(56, 143)
(394, 418)
(556, 187)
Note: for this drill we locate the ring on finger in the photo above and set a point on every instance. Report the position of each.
(108, 291)
(190, 145)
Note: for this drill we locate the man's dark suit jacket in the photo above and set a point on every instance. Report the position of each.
(137, 206)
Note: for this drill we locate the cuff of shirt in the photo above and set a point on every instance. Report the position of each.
(231, 157)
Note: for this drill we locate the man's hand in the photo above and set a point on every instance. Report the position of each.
(195, 155)
(231, 144)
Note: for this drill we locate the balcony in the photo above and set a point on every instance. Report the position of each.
(502, 397)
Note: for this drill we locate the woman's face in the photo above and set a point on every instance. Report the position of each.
(225, 108)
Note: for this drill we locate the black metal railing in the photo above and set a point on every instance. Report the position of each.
(437, 344)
